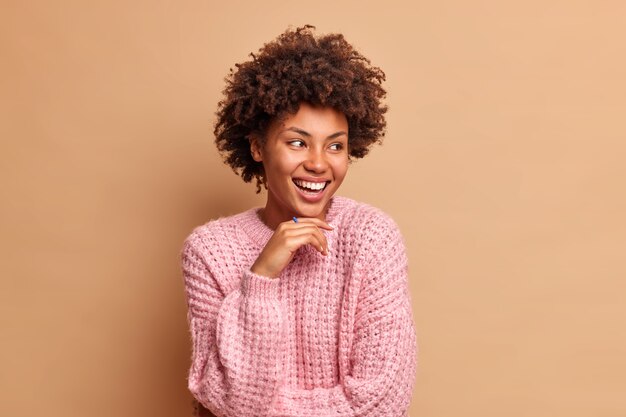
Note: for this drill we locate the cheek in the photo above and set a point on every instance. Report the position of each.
(289, 162)
(340, 169)
(283, 164)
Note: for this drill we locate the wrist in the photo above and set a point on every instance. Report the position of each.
(263, 272)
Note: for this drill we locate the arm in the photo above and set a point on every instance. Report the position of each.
(382, 361)
(237, 338)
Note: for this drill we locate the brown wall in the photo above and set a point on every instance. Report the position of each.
(503, 165)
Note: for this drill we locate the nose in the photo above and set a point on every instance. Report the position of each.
(316, 161)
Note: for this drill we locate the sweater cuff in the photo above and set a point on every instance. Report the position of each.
(255, 285)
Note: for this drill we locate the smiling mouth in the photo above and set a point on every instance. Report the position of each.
(310, 188)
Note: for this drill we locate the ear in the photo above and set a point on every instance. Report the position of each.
(255, 148)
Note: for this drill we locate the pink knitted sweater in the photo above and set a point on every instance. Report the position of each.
(332, 336)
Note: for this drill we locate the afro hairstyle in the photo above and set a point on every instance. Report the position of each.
(298, 67)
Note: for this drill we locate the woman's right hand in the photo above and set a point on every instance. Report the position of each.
(286, 240)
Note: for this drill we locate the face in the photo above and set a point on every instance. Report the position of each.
(305, 150)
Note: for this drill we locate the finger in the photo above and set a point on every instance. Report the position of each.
(314, 220)
(302, 239)
(311, 231)
(304, 225)
(314, 229)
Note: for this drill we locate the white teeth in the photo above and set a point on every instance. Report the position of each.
(311, 185)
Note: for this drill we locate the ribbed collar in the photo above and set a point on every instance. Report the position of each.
(260, 233)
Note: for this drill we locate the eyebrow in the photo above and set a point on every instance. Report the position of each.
(307, 134)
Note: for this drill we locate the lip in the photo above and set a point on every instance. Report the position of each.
(312, 179)
(310, 198)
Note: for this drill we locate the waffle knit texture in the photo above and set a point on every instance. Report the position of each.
(331, 336)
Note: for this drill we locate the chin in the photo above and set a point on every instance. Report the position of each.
(312, 209)
(304, 211)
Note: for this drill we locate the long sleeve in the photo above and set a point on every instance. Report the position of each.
(378, 373)
(237, 338)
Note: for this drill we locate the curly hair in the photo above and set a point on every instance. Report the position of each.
(296, 67)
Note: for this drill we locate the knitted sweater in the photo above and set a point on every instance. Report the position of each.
(331, 336)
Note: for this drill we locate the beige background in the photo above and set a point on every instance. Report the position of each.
(503, 165)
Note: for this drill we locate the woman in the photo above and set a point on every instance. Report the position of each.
(300, 308)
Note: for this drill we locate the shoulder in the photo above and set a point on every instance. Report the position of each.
(375, 236)
(370, 232)
(207, 237)
(214, 253)
(368, 221)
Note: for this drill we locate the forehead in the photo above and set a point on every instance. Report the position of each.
(316, 120)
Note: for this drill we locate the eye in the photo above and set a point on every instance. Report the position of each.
(339, 146)
(294, 141)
